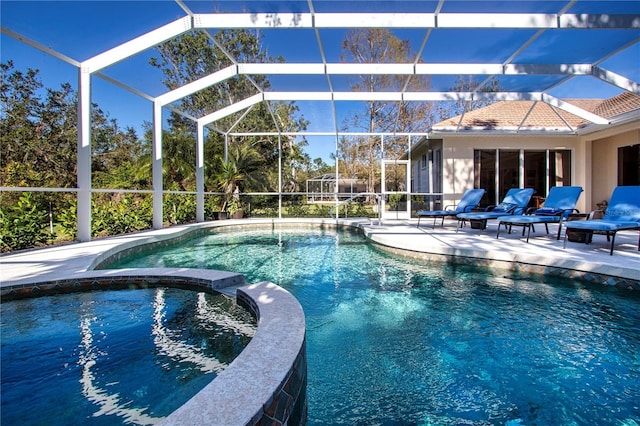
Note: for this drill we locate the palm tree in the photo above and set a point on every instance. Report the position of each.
(240, 171)
(178, 159)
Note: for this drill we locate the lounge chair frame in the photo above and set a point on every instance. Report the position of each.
(556, 208)
(470, 200)
(514, 202)
(622, 214)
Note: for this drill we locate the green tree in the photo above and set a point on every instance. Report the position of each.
(38, 142)
(363, 153)
(241, 170)
(197, 54)
(23, 225)
(39, 136)
(116, 153)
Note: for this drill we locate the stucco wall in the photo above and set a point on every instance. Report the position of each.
(458, 157)
(604, 169)
(594, 157)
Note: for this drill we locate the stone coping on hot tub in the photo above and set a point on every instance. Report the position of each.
(265, 384)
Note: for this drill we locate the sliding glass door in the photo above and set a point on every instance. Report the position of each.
(498, 170)
(629, 165)
(485, 173)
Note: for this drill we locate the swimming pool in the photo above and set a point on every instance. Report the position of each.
(115, 356)
(392, 341)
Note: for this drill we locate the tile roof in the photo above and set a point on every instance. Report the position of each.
(618, 105)
(540, 115)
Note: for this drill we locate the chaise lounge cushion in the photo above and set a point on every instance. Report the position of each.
(623, 213)
(602, 225)
(546, 211)
(514, 202)
(470, 199)
(560, 202)
(499, 210)
(504, 208)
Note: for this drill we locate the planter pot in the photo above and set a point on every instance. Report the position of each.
(220, 215)
(578, 236)
(478, 224)
(238, 214)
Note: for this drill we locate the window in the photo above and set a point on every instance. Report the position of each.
(535, 169)
(484, 172)
(508, 171)
(539, 169)
(423, 161)
(436, 157)
(559, 168)
(629, 165)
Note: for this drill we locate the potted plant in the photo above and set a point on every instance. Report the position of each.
(242, 166)
(235, 208)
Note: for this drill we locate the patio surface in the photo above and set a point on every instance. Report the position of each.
(65, 261)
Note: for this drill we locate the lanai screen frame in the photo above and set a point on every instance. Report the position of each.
(317, 21)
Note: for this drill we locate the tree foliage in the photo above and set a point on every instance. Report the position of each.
(38, 145)
(197, 54)
(362, 154)
(23, 225)
(467, 84)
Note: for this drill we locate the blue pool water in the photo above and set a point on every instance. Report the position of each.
(114, 357)
(392, 341)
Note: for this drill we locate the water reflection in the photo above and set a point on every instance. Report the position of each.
(169, 342)
(110, 404)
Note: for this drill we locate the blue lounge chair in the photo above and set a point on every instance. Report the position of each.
(514, 202)
(622, 213)
(560, 202)
(470, 199)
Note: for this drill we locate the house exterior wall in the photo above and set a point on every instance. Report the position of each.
(458, 170)
(422, 175)
(602, 171)
(594, 159)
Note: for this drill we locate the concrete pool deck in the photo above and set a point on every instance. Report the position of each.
(543, 252)
(53, 263)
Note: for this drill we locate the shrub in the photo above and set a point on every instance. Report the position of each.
(120, 216)
(23, 225)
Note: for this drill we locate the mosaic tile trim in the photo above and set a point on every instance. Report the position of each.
(515, 267)
(74, 285)
(104, 261)
(289, 404)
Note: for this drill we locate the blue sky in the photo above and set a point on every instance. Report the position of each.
(81, 30)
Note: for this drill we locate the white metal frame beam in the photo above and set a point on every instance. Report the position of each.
(138, 44)
(415, 20)
(414, 69)
(400, 97)
(38, 46)
(231, 109)
(616, 79)
(316, 21)
(197, 85)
